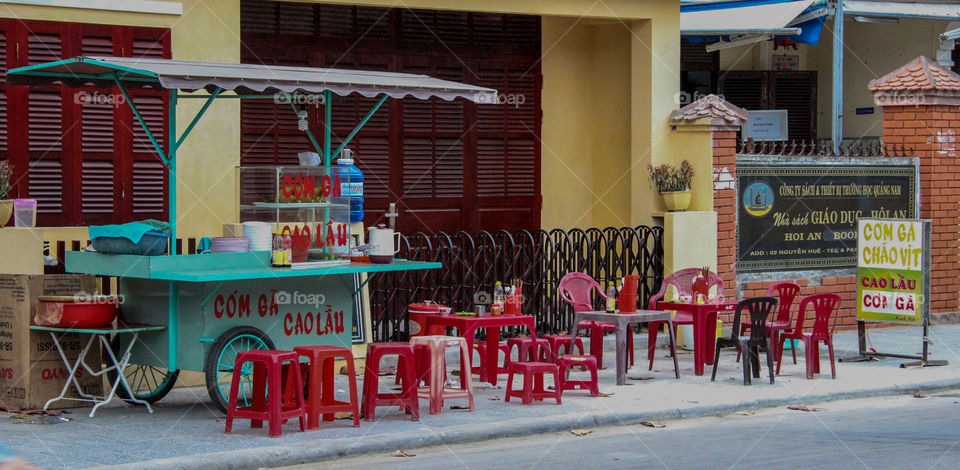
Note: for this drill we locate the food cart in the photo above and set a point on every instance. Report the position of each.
(211, 306)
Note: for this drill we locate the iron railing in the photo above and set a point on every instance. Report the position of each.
(473, 263)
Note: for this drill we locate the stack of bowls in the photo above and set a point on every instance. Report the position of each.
(259, 235)
(229, 244)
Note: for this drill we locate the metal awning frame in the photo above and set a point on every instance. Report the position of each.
(122, 77)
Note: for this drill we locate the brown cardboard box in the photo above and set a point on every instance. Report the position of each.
(31, 370)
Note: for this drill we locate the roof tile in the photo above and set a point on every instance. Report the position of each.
(917, 75)
(710, 106)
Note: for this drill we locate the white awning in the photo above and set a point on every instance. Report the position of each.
(936, 11)
(733, 18)
(245, 78)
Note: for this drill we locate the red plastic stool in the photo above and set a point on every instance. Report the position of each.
(565, 363)
(267, 395)
(435, 390)
(322, 391)
(562, 341)
(533, 381)
(528, 350)
(407, 397)
(481, 348)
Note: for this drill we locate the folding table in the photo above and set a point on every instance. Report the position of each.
(118, 364)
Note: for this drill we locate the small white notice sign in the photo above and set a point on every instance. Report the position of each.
(766, 125)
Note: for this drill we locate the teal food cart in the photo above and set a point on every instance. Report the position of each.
(214, 305)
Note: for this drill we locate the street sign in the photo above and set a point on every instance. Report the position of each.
(893, 270)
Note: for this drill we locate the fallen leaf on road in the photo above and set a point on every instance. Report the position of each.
(692, 401)
(580, 432)
(653, 424)
(919, 395)
(601, 394)
(641, 378)
(384, 371)
(402, 453)
(803, 408)
(459, 407)
(745, 413)
(494, 398)
(343, 415)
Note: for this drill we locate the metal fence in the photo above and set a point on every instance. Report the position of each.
(473, 263)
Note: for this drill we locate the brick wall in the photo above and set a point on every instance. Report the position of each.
(931, 132)
(724, 202)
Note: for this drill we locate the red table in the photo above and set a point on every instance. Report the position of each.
(467, 327)
(704, 327)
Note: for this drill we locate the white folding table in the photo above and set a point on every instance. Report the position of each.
(118, 364)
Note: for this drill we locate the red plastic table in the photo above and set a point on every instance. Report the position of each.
(467, 327)
(704, 327)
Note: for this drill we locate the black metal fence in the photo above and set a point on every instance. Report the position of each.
(473, 263)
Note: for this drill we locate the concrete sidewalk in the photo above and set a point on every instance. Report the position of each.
(186, 432)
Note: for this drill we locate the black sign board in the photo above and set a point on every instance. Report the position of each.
(804, 216)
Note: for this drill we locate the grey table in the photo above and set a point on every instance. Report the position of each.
(621, 321)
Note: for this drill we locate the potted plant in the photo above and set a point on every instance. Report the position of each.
(6, 205)
(673, 184)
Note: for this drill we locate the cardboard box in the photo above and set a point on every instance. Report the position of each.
(31, 370)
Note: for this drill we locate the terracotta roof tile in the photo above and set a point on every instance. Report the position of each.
(710, 106)
(917, 75)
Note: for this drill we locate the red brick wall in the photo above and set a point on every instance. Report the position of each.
(725, 203)
(931, 132)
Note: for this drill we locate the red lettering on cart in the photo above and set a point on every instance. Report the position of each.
(287, 186)
(6, 373)
(232, 305)
(288, 324)
(243, 305)
(325, 188)
(218, 306)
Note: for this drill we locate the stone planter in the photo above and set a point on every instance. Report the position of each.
(676, 200)
(6, 210)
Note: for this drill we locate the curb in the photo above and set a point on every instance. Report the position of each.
(283, 455)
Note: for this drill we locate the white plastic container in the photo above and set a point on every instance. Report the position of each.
(24, 212)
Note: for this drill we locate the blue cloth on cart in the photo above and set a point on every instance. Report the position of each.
(132, 231)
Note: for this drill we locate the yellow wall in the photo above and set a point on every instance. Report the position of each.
(610, 75)
(694, 143)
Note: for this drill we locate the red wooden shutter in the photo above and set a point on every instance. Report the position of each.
(149, 174)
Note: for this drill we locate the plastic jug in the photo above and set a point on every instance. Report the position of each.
(24, 212)
(351, 188)
(628, 293)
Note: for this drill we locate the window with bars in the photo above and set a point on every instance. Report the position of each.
(79, 151)
(448, 165)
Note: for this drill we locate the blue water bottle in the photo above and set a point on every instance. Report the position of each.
(351, 189)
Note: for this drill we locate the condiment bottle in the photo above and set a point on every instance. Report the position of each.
(276, 254)
(287, 248)
(611, 297)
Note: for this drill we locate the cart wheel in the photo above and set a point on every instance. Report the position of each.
(218, 368)
(148, 383)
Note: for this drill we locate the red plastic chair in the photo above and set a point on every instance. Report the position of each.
(785, 293)
(682, 281)
(575, 289)
(267, 395)
(823, 307)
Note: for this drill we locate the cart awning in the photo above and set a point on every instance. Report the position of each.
(243, 78)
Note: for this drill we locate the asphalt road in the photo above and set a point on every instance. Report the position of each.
(878, 433)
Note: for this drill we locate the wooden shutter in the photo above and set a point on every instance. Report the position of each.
(45, 173)
(745, 89)
(797, 93)
(424, 155)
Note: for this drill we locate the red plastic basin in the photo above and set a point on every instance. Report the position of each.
(88, 312)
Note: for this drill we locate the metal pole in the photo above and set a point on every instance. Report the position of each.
(327, 122)
(837, 112)
(173, 289)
